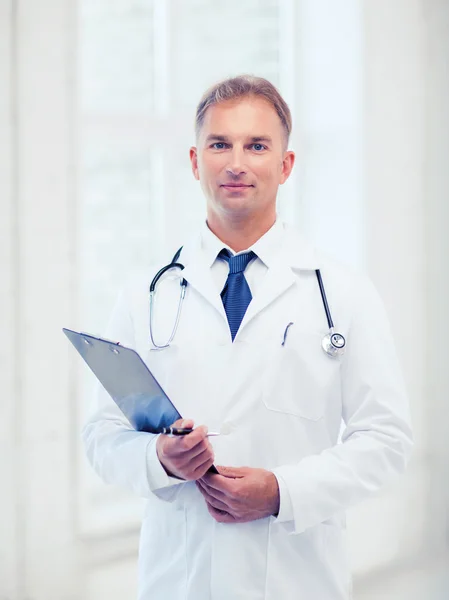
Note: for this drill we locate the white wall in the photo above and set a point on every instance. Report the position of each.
(39, 553)
(436, 282)
(406, 187)
(9, 507)
(394, 155)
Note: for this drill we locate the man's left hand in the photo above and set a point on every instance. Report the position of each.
(240, 495)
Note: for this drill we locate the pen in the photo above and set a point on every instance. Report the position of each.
(285, 333)
(175, 431)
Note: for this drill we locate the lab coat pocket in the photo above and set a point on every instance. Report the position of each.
(335, 556)
(301, 376)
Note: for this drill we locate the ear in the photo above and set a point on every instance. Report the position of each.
(287, 166)
(194, 162)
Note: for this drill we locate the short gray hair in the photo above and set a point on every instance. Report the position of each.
(241, 87)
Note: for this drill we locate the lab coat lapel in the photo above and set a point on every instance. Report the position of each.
(198, 275)
(295, 254)
(277, 280)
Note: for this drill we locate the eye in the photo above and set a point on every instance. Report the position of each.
(258, 147)
(218, 146)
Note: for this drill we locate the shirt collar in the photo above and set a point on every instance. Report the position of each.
(295, 250)
(265, 247)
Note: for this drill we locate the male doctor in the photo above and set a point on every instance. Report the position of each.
(247, 361)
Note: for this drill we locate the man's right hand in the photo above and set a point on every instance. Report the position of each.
(186, 456)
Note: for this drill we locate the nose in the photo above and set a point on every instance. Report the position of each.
(236, 165)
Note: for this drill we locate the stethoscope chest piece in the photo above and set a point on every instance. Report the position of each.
(334, 344)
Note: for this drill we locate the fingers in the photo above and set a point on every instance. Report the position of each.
(183, 424)
(226, 476)
(221, 516)
(198, 435)
(188, 457)
(183, 443)
(210, 491)
(227, 486)
(233, 472)
(179, 447)
(213, 499)
(217, 504)
(193, 470)
(203, 466)
(200, 463)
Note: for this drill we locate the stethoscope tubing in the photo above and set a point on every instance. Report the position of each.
(328, 344)
(173, 265)
(324, 298)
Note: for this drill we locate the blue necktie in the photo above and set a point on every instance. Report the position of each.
(236, 294)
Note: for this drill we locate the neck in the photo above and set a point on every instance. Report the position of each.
(240, 233)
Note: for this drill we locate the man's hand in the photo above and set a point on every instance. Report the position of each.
(185, 456)
(239, 495)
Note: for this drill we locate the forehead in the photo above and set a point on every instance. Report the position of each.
(249, 116)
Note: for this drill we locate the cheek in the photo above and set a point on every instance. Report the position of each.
(268, 174)
(209, 167)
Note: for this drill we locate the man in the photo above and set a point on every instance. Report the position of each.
(247, 360)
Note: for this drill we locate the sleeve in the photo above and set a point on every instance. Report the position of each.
(285, 503)
(377, 439)
(119, 454)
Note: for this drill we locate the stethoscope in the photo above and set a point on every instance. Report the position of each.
(173, 265)
(333, 343)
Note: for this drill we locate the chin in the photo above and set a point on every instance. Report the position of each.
(235, 199)
(235, 206)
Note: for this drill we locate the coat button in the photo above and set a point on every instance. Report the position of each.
(225, 429)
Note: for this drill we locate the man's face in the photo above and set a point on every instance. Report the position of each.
(241, 159)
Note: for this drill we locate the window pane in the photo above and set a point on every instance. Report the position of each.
(213, 40)
(116, 219)
(116, 56)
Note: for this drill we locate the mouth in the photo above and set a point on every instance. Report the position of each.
(236, 186)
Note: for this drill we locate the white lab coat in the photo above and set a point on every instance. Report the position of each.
(279, 408)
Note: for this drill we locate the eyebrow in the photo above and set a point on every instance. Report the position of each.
(261, 138)
(223, 138)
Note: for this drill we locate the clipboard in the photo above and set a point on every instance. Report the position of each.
(129, 382)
